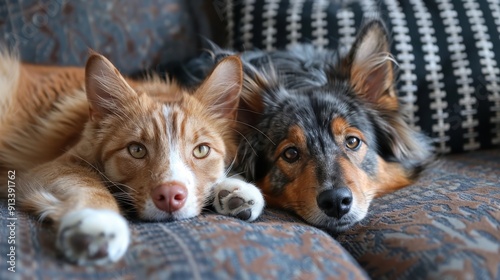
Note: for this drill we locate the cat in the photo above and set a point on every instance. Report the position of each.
(87, 145)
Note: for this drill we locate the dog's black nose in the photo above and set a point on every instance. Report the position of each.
(335, 202)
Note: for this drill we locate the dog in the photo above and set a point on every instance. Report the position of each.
(322, 132)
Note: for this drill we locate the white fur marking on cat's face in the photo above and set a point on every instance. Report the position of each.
(178, 172)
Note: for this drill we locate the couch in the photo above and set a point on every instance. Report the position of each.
(445, 226)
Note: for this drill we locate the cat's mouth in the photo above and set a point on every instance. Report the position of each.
(151, 212)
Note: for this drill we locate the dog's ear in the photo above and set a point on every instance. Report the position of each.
(220, 91)
(369, 66)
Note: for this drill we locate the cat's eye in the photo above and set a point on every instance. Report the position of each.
(137, 150)
(290, 154)
(201, 151)
(353, 143)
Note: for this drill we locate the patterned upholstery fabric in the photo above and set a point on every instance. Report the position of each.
(449, 65)
(134, 35)
(445, 227)
(206, 247)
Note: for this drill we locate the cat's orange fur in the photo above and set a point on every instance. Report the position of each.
(68, 132)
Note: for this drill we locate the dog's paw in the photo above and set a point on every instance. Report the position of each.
(92, 236)
(237, 198)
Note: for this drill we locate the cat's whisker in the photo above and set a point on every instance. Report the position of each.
(123, 198)
(256, 129)
(250, 111)
(119, 185)
(237, 174)
(246, 140)
(101, 173)
(230, 166)
(126, 202)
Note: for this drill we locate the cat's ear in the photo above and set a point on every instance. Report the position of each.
(220, 91)
(370, 66)
(106, 89)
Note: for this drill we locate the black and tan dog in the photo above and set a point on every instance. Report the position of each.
(322, 133)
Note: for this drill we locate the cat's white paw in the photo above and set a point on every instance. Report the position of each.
(237, 198)
(91, 236)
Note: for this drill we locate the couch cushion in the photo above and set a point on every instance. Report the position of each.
(449, 62)
(446, 226)
(133, 35)
(207, 247)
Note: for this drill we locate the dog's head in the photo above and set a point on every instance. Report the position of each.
(325, 151)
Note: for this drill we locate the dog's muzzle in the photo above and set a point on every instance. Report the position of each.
(335, 202)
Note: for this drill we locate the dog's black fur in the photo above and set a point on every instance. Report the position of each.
(322, 133)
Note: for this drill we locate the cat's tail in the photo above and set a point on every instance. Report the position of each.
(9, 78)
(10, 69)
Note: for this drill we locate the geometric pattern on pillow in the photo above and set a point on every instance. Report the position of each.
(448, 55)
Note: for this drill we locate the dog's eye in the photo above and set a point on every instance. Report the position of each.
(290, 154)
(137, 150)
(353, 143)
(201, 151)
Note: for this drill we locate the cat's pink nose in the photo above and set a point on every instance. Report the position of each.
(169, 197)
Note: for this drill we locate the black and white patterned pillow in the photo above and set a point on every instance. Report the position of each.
(448, 54)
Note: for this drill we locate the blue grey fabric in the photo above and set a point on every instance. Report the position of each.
(445, 226)
(211, 246)
(134, 35)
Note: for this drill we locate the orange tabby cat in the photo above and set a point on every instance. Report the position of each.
(82, 140)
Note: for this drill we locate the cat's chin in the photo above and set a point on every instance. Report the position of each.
(151, 213)
(166, 218)
(170, 217)
(162, 220)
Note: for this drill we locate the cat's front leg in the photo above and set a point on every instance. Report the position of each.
(90, 229)
(235, 197)
(93, 236)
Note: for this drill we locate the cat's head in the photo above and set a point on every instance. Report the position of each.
(159, 147)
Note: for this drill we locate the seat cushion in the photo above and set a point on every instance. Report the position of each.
(207, 247)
